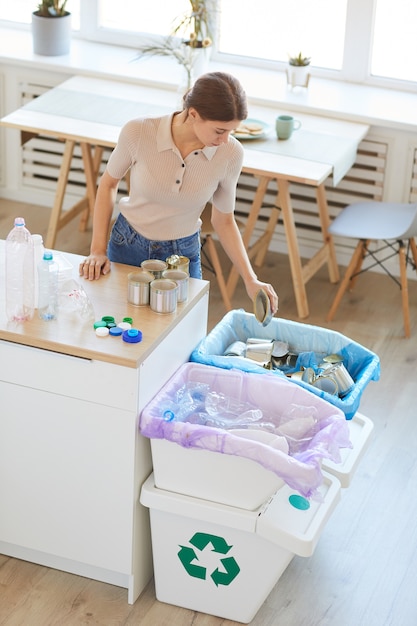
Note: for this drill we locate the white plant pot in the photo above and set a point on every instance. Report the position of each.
(298, 75)
(51, 35)
(200, 61)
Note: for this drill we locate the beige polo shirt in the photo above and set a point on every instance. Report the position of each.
(168, 193)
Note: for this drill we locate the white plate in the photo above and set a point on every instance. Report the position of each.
(266, 129)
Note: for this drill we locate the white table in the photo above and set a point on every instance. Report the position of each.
(72, 460)
(91, 112)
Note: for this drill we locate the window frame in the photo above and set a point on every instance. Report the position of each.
(360, 21)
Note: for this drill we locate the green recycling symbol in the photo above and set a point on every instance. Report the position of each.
(223, 575)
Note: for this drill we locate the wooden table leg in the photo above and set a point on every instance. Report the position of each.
(91, 170)
(293, 250)
(250, 225)
(54, 220)
(327, 238)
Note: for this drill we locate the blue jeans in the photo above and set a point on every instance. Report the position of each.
(127, 246)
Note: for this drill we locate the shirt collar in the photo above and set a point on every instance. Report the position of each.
(164, 139)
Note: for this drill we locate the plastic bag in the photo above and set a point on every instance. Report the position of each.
(321, 436)
(306, 340)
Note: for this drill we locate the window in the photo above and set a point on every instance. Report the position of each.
(370, 41)
(274, 29)
(394, 45)
(145, 17)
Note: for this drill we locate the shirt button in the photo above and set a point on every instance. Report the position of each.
(195, 153)
(183, 165)
(178, 182)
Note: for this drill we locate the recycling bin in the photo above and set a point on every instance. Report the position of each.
(224, 561)
(244, 464)
(229, 505)
(308, 341)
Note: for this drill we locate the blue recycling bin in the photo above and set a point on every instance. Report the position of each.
(362, 364)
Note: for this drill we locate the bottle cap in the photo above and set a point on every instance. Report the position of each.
(115, 331)
(99, 324)
(129, 320)
(108, 318)
(132, 335)
(124, 325)
(47, 256)
(102, 331)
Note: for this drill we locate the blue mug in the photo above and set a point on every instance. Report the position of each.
(285, 125)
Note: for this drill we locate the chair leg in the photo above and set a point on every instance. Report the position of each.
(404, 288)
(355, 263)
(214, 258)
(413, 247)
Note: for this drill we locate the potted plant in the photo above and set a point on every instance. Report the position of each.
(192, 50)
(51, 28)
(297, 73)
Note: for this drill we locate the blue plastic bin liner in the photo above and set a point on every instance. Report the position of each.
(362, 364)
(280, 402)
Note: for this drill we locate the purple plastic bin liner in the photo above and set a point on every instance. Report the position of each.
(276, 397)
(362, 364)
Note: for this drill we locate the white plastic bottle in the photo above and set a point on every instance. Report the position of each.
(48, 287)
(20, 290)
(38, 251)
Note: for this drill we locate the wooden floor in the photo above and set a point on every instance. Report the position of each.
(364, 569)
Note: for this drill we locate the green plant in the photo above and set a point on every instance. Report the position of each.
(52, 8)
(299, 60)
(195, 26)
(194, 30)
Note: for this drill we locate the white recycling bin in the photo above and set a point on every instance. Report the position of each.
(224, 560)
(243, 468)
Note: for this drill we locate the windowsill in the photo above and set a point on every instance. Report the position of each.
(376, 106)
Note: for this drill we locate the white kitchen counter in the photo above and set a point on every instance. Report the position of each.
(72, 460)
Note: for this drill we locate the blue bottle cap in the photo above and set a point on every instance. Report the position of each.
(115, 331)
(132, 335)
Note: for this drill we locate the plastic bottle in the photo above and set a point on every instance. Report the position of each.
(218, 404)
(38, 251)
(20, 290)
(48, 287)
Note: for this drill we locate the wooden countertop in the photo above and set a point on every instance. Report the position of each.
(72, 335)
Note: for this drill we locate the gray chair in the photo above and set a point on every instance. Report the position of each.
(394, 226)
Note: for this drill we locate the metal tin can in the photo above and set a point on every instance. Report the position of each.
(237, 348)
(342, 377)
(262, 307)
(154, 266)
(163, 297)
(181, 278)
(177, 262)
(138, 287)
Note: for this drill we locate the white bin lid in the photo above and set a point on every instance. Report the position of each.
(295, 523)
(287, 519)
(360, 431)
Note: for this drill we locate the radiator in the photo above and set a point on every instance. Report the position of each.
(364, 181)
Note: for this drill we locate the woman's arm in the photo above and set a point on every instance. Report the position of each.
(97, 262)
(229, 236)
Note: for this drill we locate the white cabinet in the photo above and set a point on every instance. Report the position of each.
(72, 460)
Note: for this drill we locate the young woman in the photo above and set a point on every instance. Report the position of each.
(177, 163)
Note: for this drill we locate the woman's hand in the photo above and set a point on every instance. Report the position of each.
(94, 266)
(254, 286)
